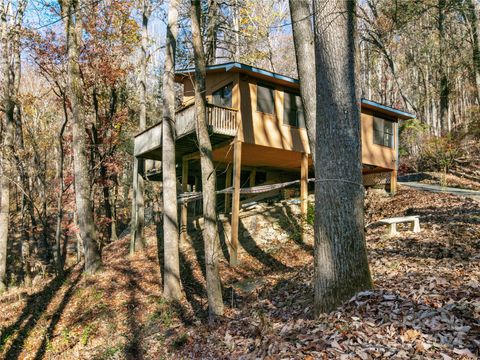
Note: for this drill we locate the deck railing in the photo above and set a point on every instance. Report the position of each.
(221, 120)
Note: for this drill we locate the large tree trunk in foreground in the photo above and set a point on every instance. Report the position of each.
(171, 278)
(138, 237)
(88, 234)
(305, 55)
(210, 231)
(6, 146)
(341, 265)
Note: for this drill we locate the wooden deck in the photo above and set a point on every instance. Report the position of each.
(222, 124)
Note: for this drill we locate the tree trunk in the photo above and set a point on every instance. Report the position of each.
(444, 85)
(58, 230)
(86, 225)
(138, 237)
(236, 29)
(305, 54)
(212, 33)
(7, 145)
(210, 232)
(341, 265)
(472, 15)
(171, 278)
(20, 147)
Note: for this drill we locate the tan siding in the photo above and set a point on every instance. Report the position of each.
(373, 154)
(213, 83)
(268, 129)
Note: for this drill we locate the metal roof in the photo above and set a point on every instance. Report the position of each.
(247, 68)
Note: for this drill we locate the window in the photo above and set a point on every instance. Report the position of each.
(293, 110)
(382, 132)
(265, 99)
(223, 96)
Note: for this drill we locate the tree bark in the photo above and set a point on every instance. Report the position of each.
(210, 232)
(19, 149)
(212, 33)
(7, 145)
(86, 225)
(138, 236)
(341, 265)
(444, 85)
(171, 278)
(473, 11)
(305, 54)
(59, 258)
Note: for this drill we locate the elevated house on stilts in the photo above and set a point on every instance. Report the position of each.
(258, 136)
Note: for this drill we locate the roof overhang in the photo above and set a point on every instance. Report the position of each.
(390, 111)
(236, 67)
(287, 81)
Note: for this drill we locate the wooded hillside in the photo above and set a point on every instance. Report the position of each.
(89, 244)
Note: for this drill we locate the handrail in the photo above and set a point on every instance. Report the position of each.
(221, 118)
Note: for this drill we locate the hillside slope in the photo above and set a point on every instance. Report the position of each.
(426, 301)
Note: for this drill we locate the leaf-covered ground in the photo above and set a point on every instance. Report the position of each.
(425, 304)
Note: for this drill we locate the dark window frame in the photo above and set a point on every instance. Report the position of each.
(298, 122)
(382, 135)
(266, 86)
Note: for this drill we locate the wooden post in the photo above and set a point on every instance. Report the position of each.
(393, 182)
(304, 185)
(137, 241)
(184, 205)
(228, 183)
(253, 175)
(237, 166)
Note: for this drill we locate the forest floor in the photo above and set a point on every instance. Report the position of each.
(425, 303)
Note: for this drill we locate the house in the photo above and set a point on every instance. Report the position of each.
(258, 134)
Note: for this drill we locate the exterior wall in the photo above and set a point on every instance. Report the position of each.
(214, 81)
(373, 154)
(268, 129)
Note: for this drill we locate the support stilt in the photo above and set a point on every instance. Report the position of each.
(393, 182)
(237, 166)
(138, 211)
(183, 228)
(228, 183)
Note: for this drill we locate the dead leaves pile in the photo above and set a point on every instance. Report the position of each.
(425, 305)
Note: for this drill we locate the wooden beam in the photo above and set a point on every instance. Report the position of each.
(393, 182)
(192, 156)
(237, 166)
(183, 228)
(228, 183)
(196, 155)
(304, 185)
